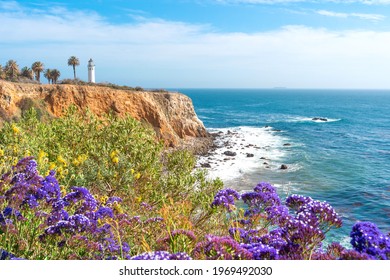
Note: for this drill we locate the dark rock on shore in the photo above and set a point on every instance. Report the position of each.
(287, 144)
(283, 166)
(205, 165)
(320, 119)
(249, 155)
(230, 153)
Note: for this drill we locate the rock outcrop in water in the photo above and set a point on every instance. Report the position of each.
(171, 115)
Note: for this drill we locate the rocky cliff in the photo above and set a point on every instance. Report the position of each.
(171, 115)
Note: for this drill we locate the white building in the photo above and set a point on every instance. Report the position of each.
(91, 71)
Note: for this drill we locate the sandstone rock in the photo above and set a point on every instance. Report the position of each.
(171, 115)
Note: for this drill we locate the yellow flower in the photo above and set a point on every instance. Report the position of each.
(113, 154)
(132, 171)
(27, 153)
(82, 158)
(63, 190)
(15, 129)
(137, 176)
(52, 166)
(118, 208)
(76, 162)
(115, 160)
(61, 160)
(103, 199)
(41, 156)
(1, 152)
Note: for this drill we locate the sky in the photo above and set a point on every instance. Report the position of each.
(205, 43)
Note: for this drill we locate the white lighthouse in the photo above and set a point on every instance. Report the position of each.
(91, 71)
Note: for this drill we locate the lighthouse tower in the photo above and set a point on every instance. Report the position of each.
(91, 71)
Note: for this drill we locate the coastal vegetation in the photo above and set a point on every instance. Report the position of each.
(79, 187)
(12, 72)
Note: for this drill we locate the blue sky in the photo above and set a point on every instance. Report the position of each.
(205, 43)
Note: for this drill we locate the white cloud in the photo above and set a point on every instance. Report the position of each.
(158, 53)
(371, 17)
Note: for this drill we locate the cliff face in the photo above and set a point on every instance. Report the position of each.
(171, 115)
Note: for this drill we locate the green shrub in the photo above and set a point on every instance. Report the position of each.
(115, 157)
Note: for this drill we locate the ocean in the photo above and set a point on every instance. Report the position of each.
(342, 158)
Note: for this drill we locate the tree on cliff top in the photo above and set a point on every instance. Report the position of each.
(27, 73)
(73, 61)
(37, 67)
(55, 74)
(12, 69)
(2, 73)
(48, 75)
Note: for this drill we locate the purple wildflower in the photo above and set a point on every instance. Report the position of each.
(221, 248)
(261, 252)
(113, 199)
(263, 196)
(103, 212)
(367, 238)
(5, 255)
(57, 216)
(9, 212)
(153, 220)
(81, 194)
(225, 198)
(79, 222)
(50, 189)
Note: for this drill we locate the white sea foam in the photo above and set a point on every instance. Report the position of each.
(264, 143)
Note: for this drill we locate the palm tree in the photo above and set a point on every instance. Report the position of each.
(27, 72)
(73, 61)
(48, 75)
(55, 74)
(37, 67)
(12, 69)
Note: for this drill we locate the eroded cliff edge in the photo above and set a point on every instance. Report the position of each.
(171, 115)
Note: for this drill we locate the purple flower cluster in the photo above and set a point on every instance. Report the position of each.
(4, 255)
(276, 231)
(221, 248)
(162, 255)
(367, 238)
(77, 214)
(225, 198)
(269, 229)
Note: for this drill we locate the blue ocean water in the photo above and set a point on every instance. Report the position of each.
(345, 160)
